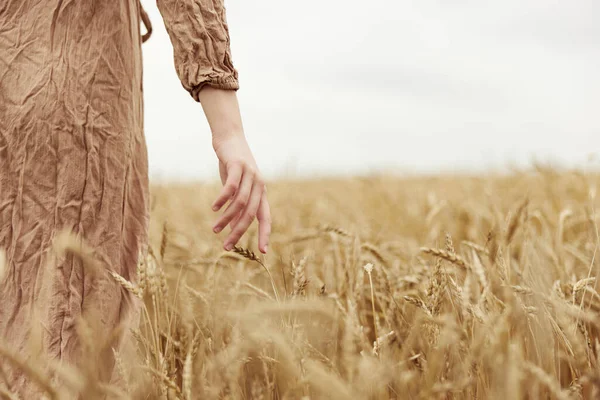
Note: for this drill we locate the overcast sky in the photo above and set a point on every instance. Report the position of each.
(348, 86)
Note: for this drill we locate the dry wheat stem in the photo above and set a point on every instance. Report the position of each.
(452, 257)
(246, 253)
(369, 269)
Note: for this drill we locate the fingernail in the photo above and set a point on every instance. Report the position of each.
(217, 229)
(214, 207)
(266, 248)
(228, 246)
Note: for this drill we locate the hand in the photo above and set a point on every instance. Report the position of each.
(245, 188)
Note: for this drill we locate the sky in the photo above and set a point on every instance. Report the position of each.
(344, 87)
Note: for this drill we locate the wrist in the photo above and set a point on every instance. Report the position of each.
(218, 137)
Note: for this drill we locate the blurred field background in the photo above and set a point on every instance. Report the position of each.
(441, 287)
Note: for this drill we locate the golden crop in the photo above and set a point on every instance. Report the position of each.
(381, 287)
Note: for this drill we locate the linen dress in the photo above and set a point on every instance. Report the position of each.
(73, 156)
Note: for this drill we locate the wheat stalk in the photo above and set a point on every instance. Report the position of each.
(336, 230)
(451, 257)
(515, 221)
(128, 286)
(300, 282)
(164, 241)
(248, 254)
(187, 367)
(369, 269)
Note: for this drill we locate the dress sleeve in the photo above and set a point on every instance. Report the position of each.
(200, 37)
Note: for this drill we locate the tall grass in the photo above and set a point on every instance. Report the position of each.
(374, 288)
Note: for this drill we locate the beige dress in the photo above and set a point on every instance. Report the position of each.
(73, 155)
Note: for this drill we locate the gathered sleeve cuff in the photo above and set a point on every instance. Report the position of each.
(201, 47)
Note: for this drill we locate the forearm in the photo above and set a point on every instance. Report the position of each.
(222, 113)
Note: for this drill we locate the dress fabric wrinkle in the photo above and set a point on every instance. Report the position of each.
(73, 158)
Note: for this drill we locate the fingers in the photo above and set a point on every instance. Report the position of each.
(238, 203)
(264, 224)
(247, 216)
(234, 221)
(246, 190)
(234, 174)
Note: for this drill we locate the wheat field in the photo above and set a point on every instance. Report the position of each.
(381, 287)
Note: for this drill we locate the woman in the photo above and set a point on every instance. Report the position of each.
(73, 156)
